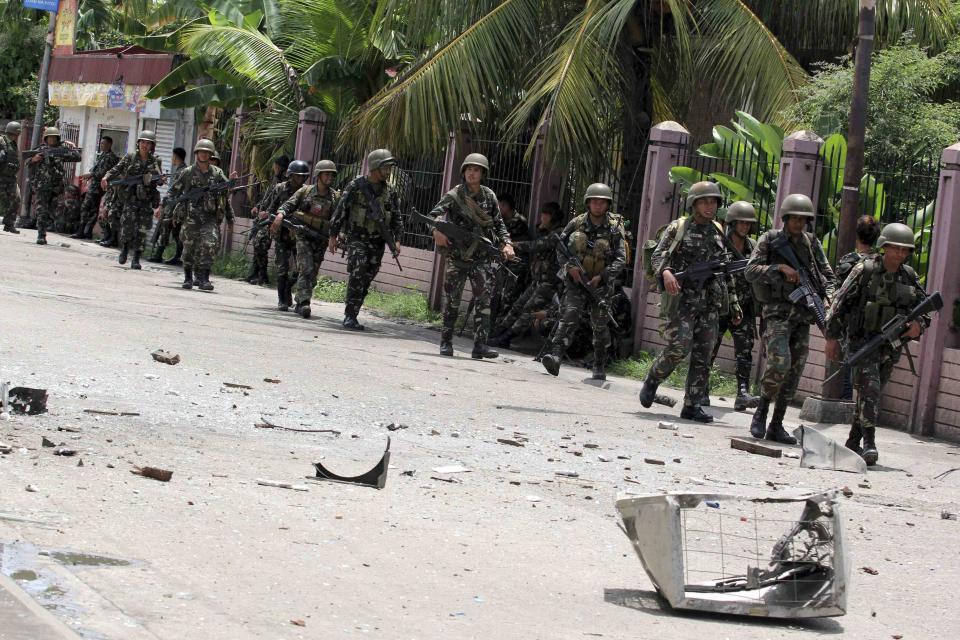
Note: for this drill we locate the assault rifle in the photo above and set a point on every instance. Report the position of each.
(310, 232)
(376, 214)
(892, 334)
(805, 291)
(458, 235)
(133, 181)
(59, 151)
(194, 195)
(590, 289)
(700, 272)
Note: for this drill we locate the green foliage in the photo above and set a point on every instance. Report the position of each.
(638, 366)
(234, 265)
(21, 49)
(404, 305)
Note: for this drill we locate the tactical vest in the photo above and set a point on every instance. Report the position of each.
(315, 210)
(11, 158)
(593, 245)
(883, 295)
(211, 203)
(778, 289)
(360, 205)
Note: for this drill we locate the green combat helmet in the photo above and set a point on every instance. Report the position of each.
(476, 160)
(703, 190)
(149, 136)
(324, 166)
(298, 168)
(741, 211)
(896, 234)
(12, 127)
(51, 132)
(379, 158)
(797, 204)
(203, 144)
(598, 190)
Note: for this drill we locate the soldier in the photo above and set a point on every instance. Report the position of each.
(47, 181)
(68, 211)
(165, 229)
(110, 209)
(690, 316)
(90, 209)
(361, 234)
(786, 325)
(472, 206)
(138, 200)
(541, 254)
(596, 239)
(261, 239)
(740, 218)
(200, 219)
(284, 243)
(311, 207)
(506, 290)
(9, 165)
(878, 288)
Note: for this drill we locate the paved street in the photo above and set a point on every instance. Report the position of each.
(507, 550)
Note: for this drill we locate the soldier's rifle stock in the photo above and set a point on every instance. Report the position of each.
(806, 292)
(571, 258)
(50, 152)
(132, 181)
(376, 214)
(310, 232)
(700, 272)
(892, 334)
(463, 238)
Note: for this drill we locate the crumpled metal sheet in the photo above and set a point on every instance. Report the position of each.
(821, 452)
(790, 565)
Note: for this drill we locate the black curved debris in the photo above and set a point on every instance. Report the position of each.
(376, 477)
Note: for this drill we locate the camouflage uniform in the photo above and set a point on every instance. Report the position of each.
(137, 201)
(166, 230)
(199, 221)
(112, 205)
(786, 326)
(9, 189)
(309, 208)
(47, 183)
(844, 266)
(690, 321)
(68, 212)
(90, 209)
(365, 245)
(478, 213)
(867, 300)
(284, 245)
(545, 283)
(506, 289)
(262, 240)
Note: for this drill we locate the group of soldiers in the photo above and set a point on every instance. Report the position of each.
(570, 273)
(785, 276)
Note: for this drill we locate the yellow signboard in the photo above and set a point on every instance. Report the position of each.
(66, 33)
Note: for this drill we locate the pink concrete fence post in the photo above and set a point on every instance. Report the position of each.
(799, 168)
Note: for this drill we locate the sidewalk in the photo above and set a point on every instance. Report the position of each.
(23, 619)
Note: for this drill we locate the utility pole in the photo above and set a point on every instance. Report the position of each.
(856, 132)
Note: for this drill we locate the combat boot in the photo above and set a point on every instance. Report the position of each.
(282, 294)
(204, 278)
(501, 340)
(696, 413)
(551, 362)
(122, 258)
(288, 292)
(303, 308)
(351, 323)
(481, 350)
(135, 263)
(175, 260)
(744, 399)
(446, 342)
(870, 454)
(79, 235)
(758, 426)
(254, 276)
(187, 277)
(853, 439)
(648, 393)
(9, 224)
(42, 239)
(264, 275)
(106, 240)
(775, 431)
(599, 371)
(157, 256)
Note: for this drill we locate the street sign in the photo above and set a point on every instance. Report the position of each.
(42, 5)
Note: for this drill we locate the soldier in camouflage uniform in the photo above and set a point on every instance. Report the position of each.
(139, 200)
(199, 220)
(90, 209)
(311, 206)
(541, 254)
(9, 165)
(361, 234)
(786, 326)
(506, 288)
(68, 211)
(284, 243)
(473, 207)
(166, 231)
(740, 218)
(261, 239)
(598, 240)
(47, 180)
(691, 316)
(110, 209)
(878, 288)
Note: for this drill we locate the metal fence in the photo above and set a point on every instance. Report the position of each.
(71, 133)
(509, 173)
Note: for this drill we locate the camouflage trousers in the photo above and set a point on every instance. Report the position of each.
(45, 203)
(261, 247)
(455, 276)
(869, 381)
(364, 257)
(9, 202)
(537, 296)
(135, 223)
(787, 341)
(575, 301)
(90, 209)
(284, 250)
(691, 330)
(166, 230)
(201, 241)
(309, 258)
(68, 217)
(744, 335)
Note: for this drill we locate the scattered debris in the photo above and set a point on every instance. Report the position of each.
(821, 452)
(508, 441)
(166, 357)
(451, 480)
(107, 412)
(941, 476)
(532, 498)
(568, 474)
(396, 426)
(753, 447)
(30, 489)
(948, 515)
(151, 376)
(282, 485)
(590, 445)
(68, 429)
(44, 442)
(265, 424)
(791, 454)
(236, 385)
(847, 492)
(666, 401)
(864, 485)
(5, 448)
(668, 426)
(653, 461)
(870, 570)
(376, 477)
(434, 432)
(455, 468)
(63, 451)
(25, 400)
(80, 462)
(299, 623)
(678, 460)
(152, 472)
(408, 473)
(603, 458)
(271, 380)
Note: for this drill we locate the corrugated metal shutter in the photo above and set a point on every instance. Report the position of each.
(166, 136)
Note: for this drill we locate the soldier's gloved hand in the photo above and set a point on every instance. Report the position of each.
(276, 224)
(833, 350)
(440, 239)
(914, 330)
(508, 252)
(575, 274)
(595, 281)
(670, 283)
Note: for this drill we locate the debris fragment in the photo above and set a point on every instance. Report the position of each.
(870, 570)
(236, 385)
(408, 473)
(753, 447)
(434, 432)
(847, 492)
(25, 400)
(376, 477)
(282, 485)
(80, 462)
(948, 515)
(653, 461)
(265, 424)
(5, 448)
(603, 458)
(166, 357)
(508, 441)
(68, 429)
(941, 476)
(568, 474)
(63, 451)
(666, 401)
(299, 623)
(821, 452)
(451, 480)
(107, 412)
(271, 380)
(152, 472)
(44, 442)
(532, 498)
(30, 489)
(396, 426)
(590, 445)
(668, 426)
(455, 468)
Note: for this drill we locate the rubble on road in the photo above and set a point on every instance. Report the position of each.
(25, 401)
(154, 473)
(266, 424)
(376, 477)
(110, 412)
(756, 448)
(282, 485)
(821, 452)
(166, 357)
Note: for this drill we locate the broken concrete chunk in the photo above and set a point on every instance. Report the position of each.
(28, 401)
(44, 442)
(755, 447)
(668, 426)
(166, 357)
(653, 461)
(5, 448)
(568, 474)
(63, 451)
(154, 473)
